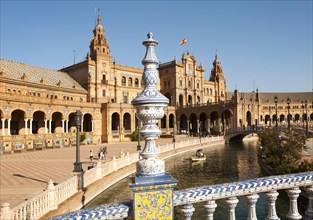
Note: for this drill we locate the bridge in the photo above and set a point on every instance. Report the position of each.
(237, 135)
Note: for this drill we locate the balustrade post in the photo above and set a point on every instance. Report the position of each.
(51, 196)
(231, 204)
(271, 198)
(251, 200)
(293, 195)
(5, 211)
(309, 212)
(210, 209)
(187, 211)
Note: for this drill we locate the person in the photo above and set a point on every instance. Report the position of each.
(122, 154)
(99, 152)
(90, 155)
(101, 155)
(105, 152)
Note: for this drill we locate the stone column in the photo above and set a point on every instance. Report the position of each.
(92, 125)
(210, 209)
(309, 212)
(178, 127)
(63, 127)
(82, 126)
(9, 126)
(31, 126)
(3, 126)
(66, 126)
(25, 126)
(198, 125)
(188, 127)
(46, 129)
(187, 211)
(231, 204)
(271, 198)
(50, 126)
(251, 200)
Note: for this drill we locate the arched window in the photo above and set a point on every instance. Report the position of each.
(136, 82)
(123, 81)
(130, 82)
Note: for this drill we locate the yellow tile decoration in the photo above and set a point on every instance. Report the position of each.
(154, 205)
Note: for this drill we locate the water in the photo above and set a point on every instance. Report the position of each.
(224, 163)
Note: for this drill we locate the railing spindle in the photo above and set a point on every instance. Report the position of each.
(187, 211)
(309, 212)
(251, 200)
(231, 203)
(293, 195)
(210, 209)
(271, 198)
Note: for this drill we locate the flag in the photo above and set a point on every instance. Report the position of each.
(184, 41)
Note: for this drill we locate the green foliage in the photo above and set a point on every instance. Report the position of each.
(282, 151)
(134, 136)
(82, 137)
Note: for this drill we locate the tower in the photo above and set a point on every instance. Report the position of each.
(219, 81)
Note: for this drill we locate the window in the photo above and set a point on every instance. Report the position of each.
(198, 85)
(169, 83)
(103, 92)
(164, 84)
(181, 82)
(136, 82)
(130, 82)
(123, 81)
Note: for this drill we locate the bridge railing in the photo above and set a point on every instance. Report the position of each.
(292, 183)
(54, 195)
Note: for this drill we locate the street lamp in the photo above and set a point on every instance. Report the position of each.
(288, 117)
(302, 106)
(276, 100)
(78, 121)
(306, 117)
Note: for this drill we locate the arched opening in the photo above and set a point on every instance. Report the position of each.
(87, 123)
(127, 123)
(214, 123)
(38, 125)
(130, 82)
(311, 117)
(203, 123)
(71, 122)
(198, 99)
(136, 82)
(115, 123)
(1, 127)
(281, 118)
(56, 123)
(171, 121)
(248, 118)
(123, 81)
(163, 122)
(267, 120)
(189, 100)
(183, 124)
(181, 100)
(227, 121)
(17, 125)
(297, 118)
(193, 124)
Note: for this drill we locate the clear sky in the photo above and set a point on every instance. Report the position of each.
(261, 44)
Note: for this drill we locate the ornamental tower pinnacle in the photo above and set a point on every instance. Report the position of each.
(99, 44)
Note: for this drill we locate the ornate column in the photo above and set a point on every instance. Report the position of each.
(210, 209)
(293, 195)
(9, 126)
(178, 126)
(66, 126)
(31, 126)
(50, 126)
(187, 211)
(82, 126)
(309, 212)
(152, 187)
(3, 126)
(251, 200)
(92, 125)
(25, 126)
(271, 198)
(63, 127)
(231, 203)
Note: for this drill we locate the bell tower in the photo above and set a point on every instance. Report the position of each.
(219, 81)
(99, 45)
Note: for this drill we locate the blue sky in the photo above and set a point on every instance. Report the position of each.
(261, 44)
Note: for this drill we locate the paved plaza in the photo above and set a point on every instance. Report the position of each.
(24, 175)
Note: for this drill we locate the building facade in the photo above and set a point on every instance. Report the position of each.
(38, 105)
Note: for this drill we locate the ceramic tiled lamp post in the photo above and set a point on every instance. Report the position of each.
(152, 187)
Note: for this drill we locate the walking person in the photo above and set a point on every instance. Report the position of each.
(90, 155)
(101, 155)
(105, 152)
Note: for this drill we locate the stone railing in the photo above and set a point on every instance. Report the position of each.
(229, 192)
(54, 195)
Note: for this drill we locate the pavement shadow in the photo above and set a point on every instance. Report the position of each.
(30, 178)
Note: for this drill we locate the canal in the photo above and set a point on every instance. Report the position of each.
(224, 163)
